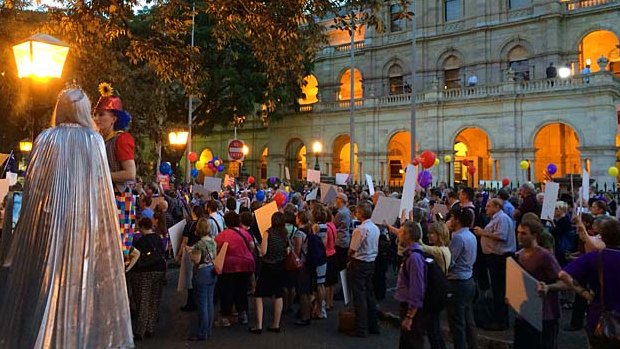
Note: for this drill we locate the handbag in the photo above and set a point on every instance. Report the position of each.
(150, 258)
(608, 325)
(293, 262)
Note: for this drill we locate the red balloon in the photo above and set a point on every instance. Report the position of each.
(280, 199)
(251, 180)
(465, 162)
(192, 156)
(505, 182)
(427, 158)
(415, 162)
(471, 169)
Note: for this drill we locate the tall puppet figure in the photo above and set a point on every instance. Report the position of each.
(112, 122)
(62, 281)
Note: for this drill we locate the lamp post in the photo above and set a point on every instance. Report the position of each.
(178, 140)
(39, 58)
(245, 150)
(25, 147)
(317, 148)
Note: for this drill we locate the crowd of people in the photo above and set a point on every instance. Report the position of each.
(469, 236)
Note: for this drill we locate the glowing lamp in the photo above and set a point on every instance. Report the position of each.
(25, 146)
(317, 147)
(564, 72)
(178, 138)
(245, 150)
(40, 56)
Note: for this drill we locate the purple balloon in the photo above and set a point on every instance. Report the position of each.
(552, 169)
(220, 168)
(272, 180)
(425, 178)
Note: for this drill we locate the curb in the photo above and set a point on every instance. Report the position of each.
(484, 341)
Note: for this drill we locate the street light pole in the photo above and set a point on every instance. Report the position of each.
(352, 102)
(414, 151)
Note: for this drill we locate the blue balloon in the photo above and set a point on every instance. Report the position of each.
(194, 172)
(164, 168)
(260, 195)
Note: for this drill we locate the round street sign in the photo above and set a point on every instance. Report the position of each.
(235, 149)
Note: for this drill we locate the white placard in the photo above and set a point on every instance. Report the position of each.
(341, 178)
(406, 203)
(584, 193)
(522, 295)
(312, 194)
(287, 173)
(328, 193)
(200, 189)
(371, 186)
(4, 188)
(551, 197)
(213, 184)
(387, 210)
(176, 235)
(12, 177)
(345, 286)
(263, 216)
(314, 176)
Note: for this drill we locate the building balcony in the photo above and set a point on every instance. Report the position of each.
(576, 84)
(577, 5)
(331, 51)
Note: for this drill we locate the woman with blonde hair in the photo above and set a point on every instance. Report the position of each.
(69, 223)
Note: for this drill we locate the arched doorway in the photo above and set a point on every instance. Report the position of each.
(345, 85)
(341, 156)
(263, 164)
(451, 72)
(596, 44)
(309, 90)
(518, 61)
(556, 143)
(399, 154)
(296, 159)
(472, 144)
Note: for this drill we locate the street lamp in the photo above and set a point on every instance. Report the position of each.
(25, 146)
(564, 72)
(40, 56)
(178, 140)
(245, 150)
(317, 148)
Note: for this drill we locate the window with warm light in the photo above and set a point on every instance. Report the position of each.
(345, 85)
(595, 44)
(309, 90)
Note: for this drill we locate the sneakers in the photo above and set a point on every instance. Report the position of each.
(243, 318)
(323, 312)
(222, 322)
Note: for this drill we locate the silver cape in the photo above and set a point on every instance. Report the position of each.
(62, 282)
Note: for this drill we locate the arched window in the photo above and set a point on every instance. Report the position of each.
(395, 76)
(345, 85)
(309, 90)
(519, 63)
(596, 44)
(451, 72)
(396, 22)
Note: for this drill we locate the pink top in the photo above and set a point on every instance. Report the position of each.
(330, 247)
(239, 258)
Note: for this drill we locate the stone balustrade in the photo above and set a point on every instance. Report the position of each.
(575, 5)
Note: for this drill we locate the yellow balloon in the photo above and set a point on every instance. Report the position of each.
(287, 189)
(447, 158)
(436, 162)
(613, 171)
(199, 165)
(524, 165)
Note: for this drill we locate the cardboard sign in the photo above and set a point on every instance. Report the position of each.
(387, 210)
(522, 295)
(551, 197)
(176, 235)
(4, 188)
(263, 216)
(213, 184)
(406, 203)
(312, 195)
(287, 173)
(314, 176)
(371, 186)
(328, 193)
(200, 189)
(341, 178)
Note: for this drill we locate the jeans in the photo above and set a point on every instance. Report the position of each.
(234, 290)
(359, 275)
(527, 337)
(497, 271)
(204, 287)
(413, 339)
(461, 315)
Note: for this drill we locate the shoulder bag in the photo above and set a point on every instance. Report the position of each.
(608, 325)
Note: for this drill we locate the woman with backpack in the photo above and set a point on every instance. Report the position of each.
(189, 239)
(318, 258)
(305, 274)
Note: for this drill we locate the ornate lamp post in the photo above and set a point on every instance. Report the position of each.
(178, 140)
(317, 148)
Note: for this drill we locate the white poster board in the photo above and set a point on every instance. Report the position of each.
(387, 210)
(551, 197)
(287, 173)
(371, 186)
(200, 189)
(213, 184)
(406, 203)
(584, 193)
(522, 295)
(263, 216)
(12, 177)
(345, 286)
(176, 235)
(341, 178)
(328, 193)
(314, 176)
(4, 188)
(312, 194)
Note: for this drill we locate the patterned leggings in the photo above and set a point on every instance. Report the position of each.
(147, 289)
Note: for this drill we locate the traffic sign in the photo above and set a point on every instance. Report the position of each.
(235, 150)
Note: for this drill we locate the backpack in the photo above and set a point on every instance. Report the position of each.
(316, 251)
(385, 247)
(437, 284)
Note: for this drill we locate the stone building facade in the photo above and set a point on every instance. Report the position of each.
(481, 89)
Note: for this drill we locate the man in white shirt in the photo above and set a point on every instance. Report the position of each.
(362, 254)
(216, 221)
(498, 242)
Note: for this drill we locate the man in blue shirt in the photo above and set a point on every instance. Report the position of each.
(463, 248)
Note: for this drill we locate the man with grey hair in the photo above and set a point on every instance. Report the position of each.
(342, 220)
(498, 242)
(527, 192)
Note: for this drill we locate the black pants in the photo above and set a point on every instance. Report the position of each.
(580, 306)
(233, 289)
(433, 330)
(379, 278)
(527, 337)
(461, 315)
(497, 271)
(342, 254)
(413, 339)
(359, 275)
(481, 270)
